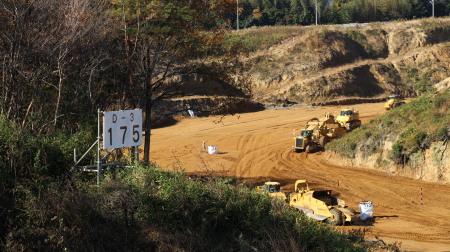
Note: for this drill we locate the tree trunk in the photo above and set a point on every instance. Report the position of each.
(147, 128)
(126, 82)
(58, 99)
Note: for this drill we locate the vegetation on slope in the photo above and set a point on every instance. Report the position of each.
(253, 40)
(349, 43)
(412, 126)
(319, 46)
(147, 209)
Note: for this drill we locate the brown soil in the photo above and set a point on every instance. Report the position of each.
(254, 147)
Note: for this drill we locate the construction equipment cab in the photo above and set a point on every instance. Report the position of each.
(273, 189)
(393, 101)
(306, 140)
(306, 133)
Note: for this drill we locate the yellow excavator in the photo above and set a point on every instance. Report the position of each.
(321, 205)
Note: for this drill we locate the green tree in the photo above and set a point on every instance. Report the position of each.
(441, 8)
(418, 9)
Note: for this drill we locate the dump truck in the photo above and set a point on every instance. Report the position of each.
(321, 205)
(349, 119)
(393, 101)
(273, 189)
(317, 133)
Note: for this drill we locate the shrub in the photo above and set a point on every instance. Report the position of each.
(147, 209)
(26, 154)
(397, 152)
(442, 134)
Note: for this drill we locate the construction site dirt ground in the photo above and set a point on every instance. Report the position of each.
(255, 147)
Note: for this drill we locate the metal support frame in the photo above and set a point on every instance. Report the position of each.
(136, 154)
(99, 160)
(237, 15)
(99, 165)
(75, 155)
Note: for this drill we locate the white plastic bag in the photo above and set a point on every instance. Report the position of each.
(366, 210)
(212, 149)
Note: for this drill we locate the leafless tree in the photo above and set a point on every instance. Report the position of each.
(171, 45)
(45, 48)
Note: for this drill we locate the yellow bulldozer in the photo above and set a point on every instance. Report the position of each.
(393, 101)
(273, 189)
(317, 133)
(321, 205)
(349, 119)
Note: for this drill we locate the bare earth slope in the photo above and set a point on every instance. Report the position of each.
(257, 146)
(325, 63)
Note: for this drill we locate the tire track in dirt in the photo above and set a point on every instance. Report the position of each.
(258, 146)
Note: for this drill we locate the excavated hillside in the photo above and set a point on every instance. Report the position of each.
(300, 66)
(337, 65)
(332, 65)
(329, 63)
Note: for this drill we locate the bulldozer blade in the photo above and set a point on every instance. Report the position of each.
(310, 214)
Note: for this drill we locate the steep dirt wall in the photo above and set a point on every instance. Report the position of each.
(366, 61)
(369, 79)
(432, 164)
(403, 41)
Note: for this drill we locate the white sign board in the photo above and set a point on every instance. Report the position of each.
(122, 128)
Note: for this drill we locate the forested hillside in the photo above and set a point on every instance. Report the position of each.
(307, 12)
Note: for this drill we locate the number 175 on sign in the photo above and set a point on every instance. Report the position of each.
(122, 128)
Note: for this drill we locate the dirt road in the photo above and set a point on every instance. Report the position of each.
(257, 146)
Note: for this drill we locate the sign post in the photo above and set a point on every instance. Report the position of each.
(120, 129)
(99, 159)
